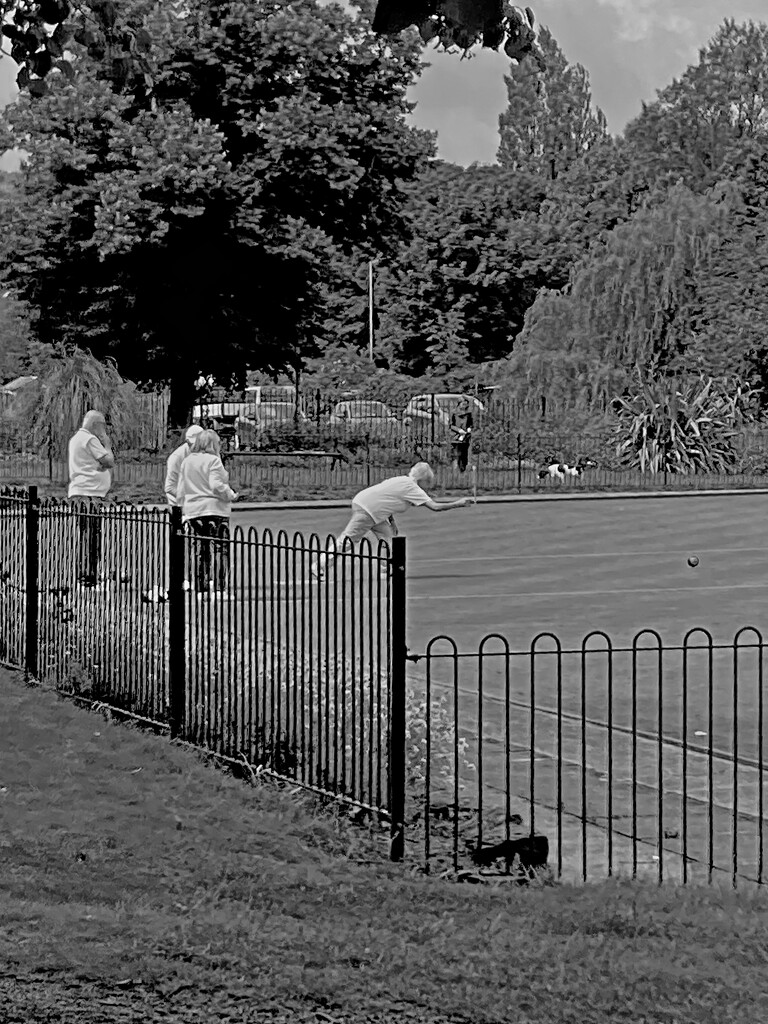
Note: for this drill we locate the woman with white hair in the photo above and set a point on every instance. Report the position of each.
(90, 477)
(205, 497)
(375, 508)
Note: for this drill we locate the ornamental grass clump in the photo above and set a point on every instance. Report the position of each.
(683, 424)
(70, 382)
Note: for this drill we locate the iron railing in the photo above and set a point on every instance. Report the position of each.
(339, 461)
(646, 760)
(14, 506)
(98, 634)
(267, 650)
(288, 655)
(277, 476)
(288, 658)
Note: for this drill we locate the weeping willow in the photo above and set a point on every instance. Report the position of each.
(69, 384)
(630, 308)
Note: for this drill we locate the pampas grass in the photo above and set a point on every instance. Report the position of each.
(70, 382)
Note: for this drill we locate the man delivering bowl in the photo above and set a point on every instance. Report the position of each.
(375, 508)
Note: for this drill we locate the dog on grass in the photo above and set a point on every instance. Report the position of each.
(561, 471)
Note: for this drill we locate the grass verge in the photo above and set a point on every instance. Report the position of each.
(140, 884)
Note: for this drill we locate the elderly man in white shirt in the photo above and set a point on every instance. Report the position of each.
(90, 478)
(175, 459)
(374, 509)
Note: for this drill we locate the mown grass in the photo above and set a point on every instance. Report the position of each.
(140, 884)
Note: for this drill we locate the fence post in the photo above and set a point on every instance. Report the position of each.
(397, 722)
(176, 625)
(367, 460)
(32, 589)
(519, 464)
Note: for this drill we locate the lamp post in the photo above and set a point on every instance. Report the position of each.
(370, 310)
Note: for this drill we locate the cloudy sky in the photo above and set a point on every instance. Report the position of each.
(630, 48)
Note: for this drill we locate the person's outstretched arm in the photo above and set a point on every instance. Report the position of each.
(446, 506)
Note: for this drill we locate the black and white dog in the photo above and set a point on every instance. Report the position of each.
(560, 471)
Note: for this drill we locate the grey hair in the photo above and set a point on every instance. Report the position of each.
(92, 419)
(422, 473)
(207, 442)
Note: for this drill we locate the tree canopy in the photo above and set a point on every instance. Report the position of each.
(549, 122)
(211, 184)
(654, 245)
(205, 222)
(40, 31)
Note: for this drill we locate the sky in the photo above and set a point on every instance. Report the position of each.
(631, 48)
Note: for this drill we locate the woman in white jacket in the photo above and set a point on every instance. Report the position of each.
(204, 494)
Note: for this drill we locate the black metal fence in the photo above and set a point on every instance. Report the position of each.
(13, 574)
(322, 454)
(332, 472)
(644, 761)
(268, 650)
(286, 654)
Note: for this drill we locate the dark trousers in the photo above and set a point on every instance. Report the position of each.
(461, 454)
(210, 552)
(89, 531)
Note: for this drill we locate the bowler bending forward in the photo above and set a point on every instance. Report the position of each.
(375, 508)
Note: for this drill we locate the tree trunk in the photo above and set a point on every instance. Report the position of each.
(182, 386)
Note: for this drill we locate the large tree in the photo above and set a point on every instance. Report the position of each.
(550, 122)
(37, 30)
(618, 296)
(14, 338)
(631, 305)
(731, 307)
(14, 325)
(199, 222)
(454, 296)
(688, 131)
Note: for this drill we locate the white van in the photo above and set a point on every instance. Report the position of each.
(263, 407)
(423, 408)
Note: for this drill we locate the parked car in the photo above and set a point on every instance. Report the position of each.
(364, 417)
(269, 418)
(422, 409)
(272, 415)
(268, 394)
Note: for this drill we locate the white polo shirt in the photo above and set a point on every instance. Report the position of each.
(390, 497)
(86, 477)
(173, 468)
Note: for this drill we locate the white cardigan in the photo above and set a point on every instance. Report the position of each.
(203, 488)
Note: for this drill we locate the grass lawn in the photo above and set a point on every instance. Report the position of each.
(574, 566)
(139, 884)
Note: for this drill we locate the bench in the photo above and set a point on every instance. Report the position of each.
(335, 456)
